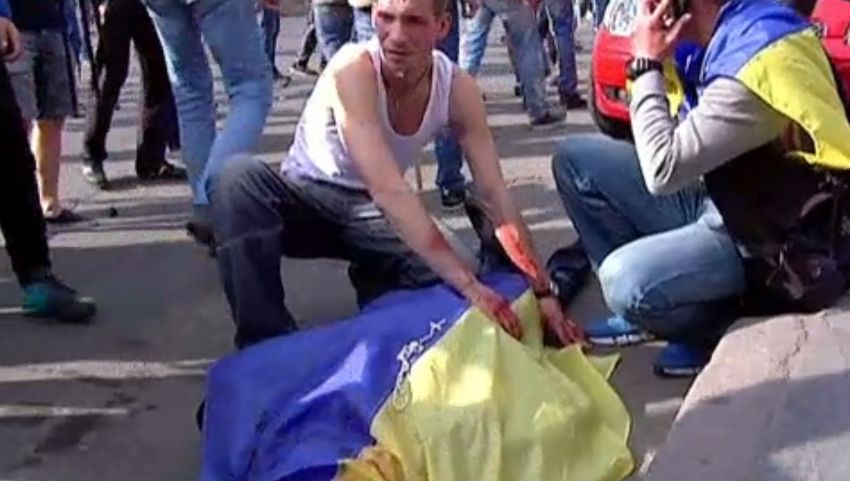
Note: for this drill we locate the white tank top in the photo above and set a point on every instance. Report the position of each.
(319, 152)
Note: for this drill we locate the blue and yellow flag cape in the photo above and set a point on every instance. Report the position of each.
(419, 386)
(775, 53)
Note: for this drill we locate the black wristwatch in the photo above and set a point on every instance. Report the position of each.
(551, 290)
(641, 65)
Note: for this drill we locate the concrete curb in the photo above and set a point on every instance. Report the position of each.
(773, 405)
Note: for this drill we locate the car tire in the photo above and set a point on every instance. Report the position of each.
(609, 126)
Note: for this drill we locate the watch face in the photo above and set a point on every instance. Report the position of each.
(631, 69)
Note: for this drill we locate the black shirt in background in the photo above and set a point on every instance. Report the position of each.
(33, 15)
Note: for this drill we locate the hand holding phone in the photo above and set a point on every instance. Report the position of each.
(657, 28)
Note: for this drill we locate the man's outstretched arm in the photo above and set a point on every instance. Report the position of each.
(356, 112)
(469, 121)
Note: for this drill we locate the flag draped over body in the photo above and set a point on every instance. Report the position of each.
(418, 386)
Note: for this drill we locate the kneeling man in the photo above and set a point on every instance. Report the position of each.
(341, 192)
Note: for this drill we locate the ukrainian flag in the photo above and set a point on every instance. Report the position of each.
(419, 386)
(775, 53)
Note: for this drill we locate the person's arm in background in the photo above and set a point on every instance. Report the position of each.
(355, 109)
(10, 39)
(468, 120)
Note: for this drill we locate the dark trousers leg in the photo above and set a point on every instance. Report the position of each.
(20, 213)
(157, 112)
(260, 216)
(113, 61)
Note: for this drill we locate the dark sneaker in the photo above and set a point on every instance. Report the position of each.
(569, 269)
(491, 254)
(302, 70)
(164, 171)
(94, 175)
(276, 74)
(65, 216)
(681, 360)
(572, 101)
(548, 118)
(452, 199)
(615, 331)
(49, 298)
(517, 91)
(202, 233)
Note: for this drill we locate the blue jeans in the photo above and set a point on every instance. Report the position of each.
(271, 29)
(446, 147)
(229, 28)
(665, 263)
(363, 28)
(599, 7)
(334, 24)
(260, 215)
(562, 20)
(521, 27)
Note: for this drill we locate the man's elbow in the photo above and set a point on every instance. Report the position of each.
(659, 182)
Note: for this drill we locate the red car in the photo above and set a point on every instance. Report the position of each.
(832, 19)
(609, 106)
(611, 52)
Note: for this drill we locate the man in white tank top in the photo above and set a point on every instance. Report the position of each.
(341, 192)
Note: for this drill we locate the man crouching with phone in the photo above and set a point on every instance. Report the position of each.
(732, 199)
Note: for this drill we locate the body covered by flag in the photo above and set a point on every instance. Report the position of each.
(419, 386)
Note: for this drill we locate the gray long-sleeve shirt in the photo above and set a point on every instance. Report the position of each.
(729, 121)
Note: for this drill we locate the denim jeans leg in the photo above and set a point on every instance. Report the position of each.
(271, 30)
(248, 224)
(192, 79)
(681, 285)
(380, 260)
(521, 26)
(230, 29)
(562, 19)
(334, 24)
(664, 262)
(363, 28)
(475, 41)
(599, 7)
(446, 147)
(603, 192)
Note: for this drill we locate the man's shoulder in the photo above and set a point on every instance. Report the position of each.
(351, 57)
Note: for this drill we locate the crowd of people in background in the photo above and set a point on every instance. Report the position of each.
(60, 39)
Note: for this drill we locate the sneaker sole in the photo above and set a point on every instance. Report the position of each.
(78, 315)
(622, 340)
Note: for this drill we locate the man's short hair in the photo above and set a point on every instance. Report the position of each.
(441, 6)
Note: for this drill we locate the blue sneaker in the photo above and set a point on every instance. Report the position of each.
(49, 298)
(681, 360)
(616, 331)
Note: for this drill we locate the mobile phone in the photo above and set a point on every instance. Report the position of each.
(680, 7)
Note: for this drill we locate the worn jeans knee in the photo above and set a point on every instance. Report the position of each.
(241, 194)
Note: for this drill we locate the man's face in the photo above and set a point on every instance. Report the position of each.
(408, 31)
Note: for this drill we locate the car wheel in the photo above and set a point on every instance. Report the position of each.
(609, 126)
